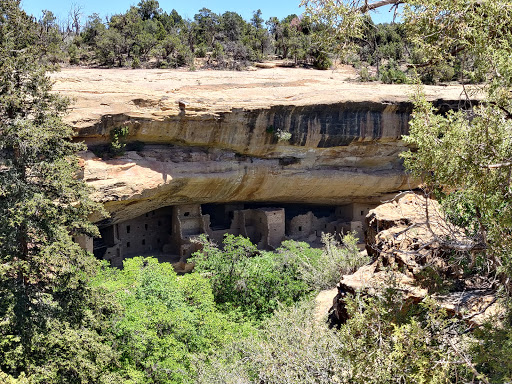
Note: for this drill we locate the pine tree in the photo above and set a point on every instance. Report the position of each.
(49, 319)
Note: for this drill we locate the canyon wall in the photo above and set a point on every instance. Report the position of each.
(277, 136)
(336, 154)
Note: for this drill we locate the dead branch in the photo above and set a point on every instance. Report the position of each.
(369, 7)
(468, 363)
(482, 311)
(495, 166)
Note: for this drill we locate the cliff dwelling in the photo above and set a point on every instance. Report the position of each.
(168, 232)
(218, 165)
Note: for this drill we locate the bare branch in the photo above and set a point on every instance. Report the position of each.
(369, 7)
(468, 363)
(491, 303)
(496, 166)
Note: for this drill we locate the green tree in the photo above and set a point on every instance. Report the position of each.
(50, 40)
(110, 47)
(259, 37)
(467, 154)
(256, 282)
(93, 28)
(246, 280)
(51, 320)
(464, 158)
(170, 21)
(166, 321)
(206, 27)
(233, 26)
(149, 9)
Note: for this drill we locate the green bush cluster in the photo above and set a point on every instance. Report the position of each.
(390, 75)
(382, 342)
(378, 344)
(163, 39)
(118, 140)
(256, 282)
(165, 320)
(247, 280)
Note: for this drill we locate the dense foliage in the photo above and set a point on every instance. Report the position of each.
(245, 316)
(165, 321)
(476, 174)
(256, 282)
(147, 35)
(380, 343)
(51, 320)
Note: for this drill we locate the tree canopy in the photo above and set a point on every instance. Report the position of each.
(464, 157)
(45, 297)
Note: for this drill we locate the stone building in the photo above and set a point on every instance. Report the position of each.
(170, 231)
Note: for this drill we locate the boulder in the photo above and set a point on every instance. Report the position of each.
(408, 240)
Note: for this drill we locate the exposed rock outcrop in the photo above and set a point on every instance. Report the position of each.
(408, 241)
(139, 182)
(214, 136)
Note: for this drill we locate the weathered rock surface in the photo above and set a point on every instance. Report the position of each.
(411, 234)
(213, 136)
(160, 176)
(409, 253)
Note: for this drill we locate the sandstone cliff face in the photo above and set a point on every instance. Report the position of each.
(162, 176)
(213, 136)
(337, 153)
(255, 131)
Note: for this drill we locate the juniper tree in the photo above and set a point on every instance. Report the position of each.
(465, 157)
(49, 316)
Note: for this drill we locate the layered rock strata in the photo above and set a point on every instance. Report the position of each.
(271, 136)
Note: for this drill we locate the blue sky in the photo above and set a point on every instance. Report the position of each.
(186, 8)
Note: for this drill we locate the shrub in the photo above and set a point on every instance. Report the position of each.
(492, 347)
(321, 60)
(283, 135)
(74, 54)
(364, 74)
(117, 144)
(323, 268)
(165, 320)
(200, 51)
(291, 348)
(256, 282)
(247, 280)
(378, 344)
(136, 62)
(392, 75)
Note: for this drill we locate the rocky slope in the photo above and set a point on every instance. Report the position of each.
(271, 135)
(415, 255)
